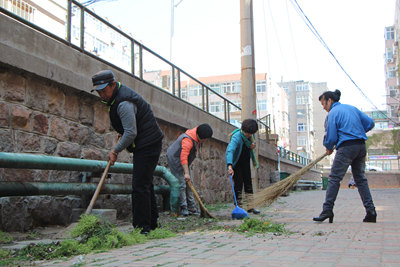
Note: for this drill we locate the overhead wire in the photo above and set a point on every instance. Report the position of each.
(291, 37)
(319, 37)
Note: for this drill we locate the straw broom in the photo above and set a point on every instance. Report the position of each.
(204, 211)
(271, 193)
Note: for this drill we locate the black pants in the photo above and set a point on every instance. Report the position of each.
(242, 176)
(144, 205)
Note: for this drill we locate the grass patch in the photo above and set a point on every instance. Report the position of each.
(5, 238)
(90, 235)
(256, 226)
(187, 224)
(218, 206)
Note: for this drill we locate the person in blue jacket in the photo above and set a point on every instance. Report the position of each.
(345, 130)
(237, 156)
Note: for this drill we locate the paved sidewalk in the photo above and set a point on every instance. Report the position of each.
(345, 242)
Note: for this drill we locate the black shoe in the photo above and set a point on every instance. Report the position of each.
(370, 217)
(144, 232)
(324, 215)
(255, 211)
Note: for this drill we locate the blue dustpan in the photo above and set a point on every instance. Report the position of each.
(237, 213)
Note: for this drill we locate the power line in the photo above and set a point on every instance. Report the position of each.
(315, 32)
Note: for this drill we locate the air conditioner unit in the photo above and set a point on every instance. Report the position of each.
(389, 60)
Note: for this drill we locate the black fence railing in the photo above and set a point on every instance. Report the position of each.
(91, 34)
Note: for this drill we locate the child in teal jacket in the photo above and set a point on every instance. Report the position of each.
(238, 155)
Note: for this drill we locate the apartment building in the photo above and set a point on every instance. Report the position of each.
(306, 117)
(98, 38)
(271, 99)
(392, 75)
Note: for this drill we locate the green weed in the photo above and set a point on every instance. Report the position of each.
(253, 226)
(5, 238)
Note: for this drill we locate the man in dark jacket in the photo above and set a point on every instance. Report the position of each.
(131, 116)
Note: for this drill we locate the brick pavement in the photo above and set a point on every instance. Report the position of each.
(346, 242)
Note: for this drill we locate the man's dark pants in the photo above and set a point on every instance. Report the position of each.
(144, 205)
(348, 155)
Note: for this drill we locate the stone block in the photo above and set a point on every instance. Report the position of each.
(4, 115)
(70, 150)
(14, 87)
(101, 121)
(71, 107)
(40, 123)
(27, 142)
(20, 117)
(59, 128)
(56, 101)
(36, 95)
(6, 141)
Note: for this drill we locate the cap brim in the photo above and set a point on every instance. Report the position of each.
(99, 87)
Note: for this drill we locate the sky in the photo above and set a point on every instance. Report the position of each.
(206, 39)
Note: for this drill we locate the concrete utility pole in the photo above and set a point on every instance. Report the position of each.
(248, 78)
(247, 60)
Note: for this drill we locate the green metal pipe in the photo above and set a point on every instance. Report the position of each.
(8, 189)
(174, 192)
(42, 162)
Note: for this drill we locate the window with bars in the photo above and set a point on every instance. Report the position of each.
(389, 33)
(262, 105)
(301, 127)
(195, 90)
(19, 7)
(215, 107)
(302, 87)
(261, 86)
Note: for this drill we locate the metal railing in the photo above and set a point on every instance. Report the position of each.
(287, 154)
(82, 29)
(139, 58)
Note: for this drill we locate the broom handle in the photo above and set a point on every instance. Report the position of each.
(233, 190)
(199, 199)
(99, 186)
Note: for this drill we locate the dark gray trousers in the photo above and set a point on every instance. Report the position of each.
(354, 156)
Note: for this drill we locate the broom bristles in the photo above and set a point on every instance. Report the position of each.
(268, 195)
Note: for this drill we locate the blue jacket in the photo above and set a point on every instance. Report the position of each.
(234, 149)
(345, 122)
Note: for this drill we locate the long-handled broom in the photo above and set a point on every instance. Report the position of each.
(237, 213)
(271, 193)
(204, 211)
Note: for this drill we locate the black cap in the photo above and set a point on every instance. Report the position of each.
(101, 79)
(204, 131)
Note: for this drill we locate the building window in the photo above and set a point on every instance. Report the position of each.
(389, 55)
(302, 87)
(301, 127)
(20, 8)
(393, 91)
(391, 72)
(195, 90)
(301, 141)
(261, 105)
(389, 33)
(301, 99)
(237, 103)
(261, 86)
(215, 107)
(231, 87)
(216, 87)
(301, 113)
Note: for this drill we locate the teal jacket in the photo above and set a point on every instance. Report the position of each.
(234, 150)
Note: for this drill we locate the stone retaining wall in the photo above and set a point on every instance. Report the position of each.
(46, 108)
